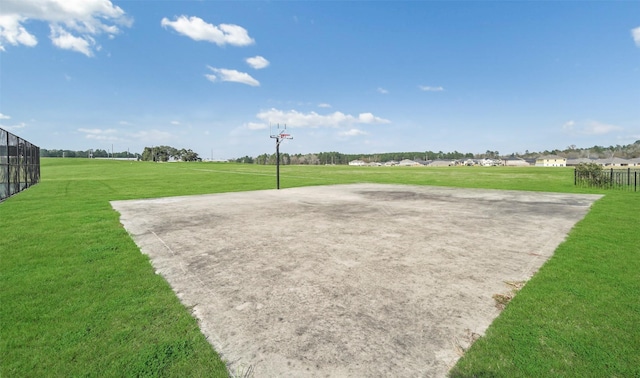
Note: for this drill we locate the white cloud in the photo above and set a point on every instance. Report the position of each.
(13, 33)
(96, 131)
(257, 62)
(65, 40)
(18, 126)
(176, 123)
(635, 33)
(152, 136)
(598, 128)
(256, 126)
(100, 134)
(427, 88)
(370, 118)
(568, 125)
(590, 128)
(198, 30)
(324, 105)
(312, 119)
(11, 127)
(73, 23)
(223, 74)
(353, 132)
(382, 90)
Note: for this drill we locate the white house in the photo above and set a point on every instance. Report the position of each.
(551, 161)
(514, 161)
(359, 163)
(407, 163)
(441, 163)
(572, 162)
(614, 162)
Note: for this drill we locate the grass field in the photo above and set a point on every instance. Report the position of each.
(77, 298)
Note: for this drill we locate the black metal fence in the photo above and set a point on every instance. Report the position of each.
(619, 178)
(19, 164)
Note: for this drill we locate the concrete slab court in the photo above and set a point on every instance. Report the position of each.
(348, 280)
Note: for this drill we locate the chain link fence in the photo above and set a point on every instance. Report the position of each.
(19, 164)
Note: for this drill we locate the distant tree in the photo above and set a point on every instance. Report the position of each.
(160, 153)
(100, 153)
(246, 159)
(188, 155)
(262, 159)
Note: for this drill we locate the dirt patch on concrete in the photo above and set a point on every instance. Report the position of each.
(348, 280)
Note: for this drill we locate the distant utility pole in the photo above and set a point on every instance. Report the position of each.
(279, 137)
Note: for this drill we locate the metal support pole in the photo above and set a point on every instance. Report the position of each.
(277, 163)
(279, 138)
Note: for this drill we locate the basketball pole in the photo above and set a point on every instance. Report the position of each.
(278, 140)
(279, 137)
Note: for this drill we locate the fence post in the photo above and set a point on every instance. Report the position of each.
(611, 178)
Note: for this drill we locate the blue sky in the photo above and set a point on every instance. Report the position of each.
(353, 77)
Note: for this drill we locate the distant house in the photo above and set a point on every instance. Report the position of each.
(551, 161)
(514, 161)
(408, 163)
(634, 162)
(441, 163)
(358, 163)
(390, 163)
(614, 162)
(489, 162)
(574, 162)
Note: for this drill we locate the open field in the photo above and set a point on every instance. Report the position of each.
(78, 298)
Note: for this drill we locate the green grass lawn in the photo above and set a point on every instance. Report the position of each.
(77, 298)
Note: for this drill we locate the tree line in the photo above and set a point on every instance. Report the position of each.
(323, 158)
(157, 153)
(97, 153)
(166, 153)
(337, 158)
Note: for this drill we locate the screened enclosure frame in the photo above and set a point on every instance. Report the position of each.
(19, 164)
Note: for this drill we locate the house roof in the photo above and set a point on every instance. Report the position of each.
(581, 160)
(613, 160)
(551, 157)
